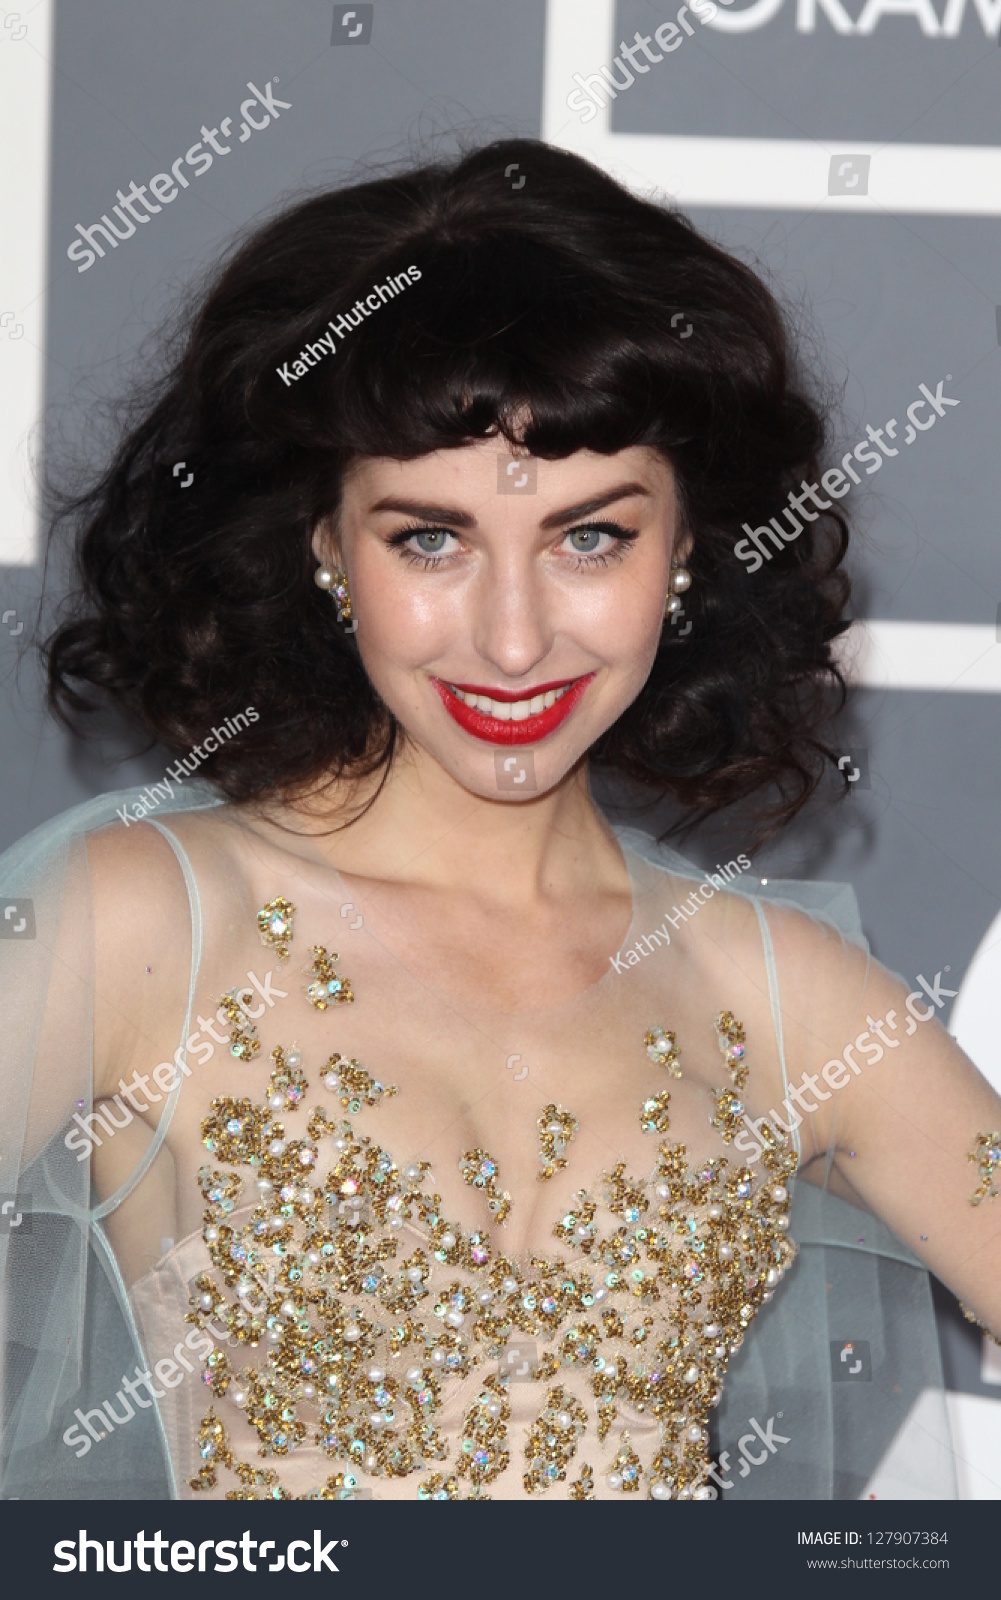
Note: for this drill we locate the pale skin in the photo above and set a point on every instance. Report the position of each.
(520, 898)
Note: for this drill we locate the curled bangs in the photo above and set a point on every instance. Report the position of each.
(504, 336)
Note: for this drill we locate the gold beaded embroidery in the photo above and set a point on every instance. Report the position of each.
(287, 1085)
(353, 1085)
(484, 1452)
(971, 1316)
(716, 1269)
(648, 1311)
(274, 924)
(243, 1040)
(552, 1441)
(626, 1471)
(729, 1107)
(653, 1115)
(662, 1049)
(480, 1169)
(327, 987)
(556, 1129)
(986, 1155)
(438, 1487)
(731, 1038)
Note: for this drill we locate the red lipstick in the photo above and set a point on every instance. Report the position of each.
(528, 731)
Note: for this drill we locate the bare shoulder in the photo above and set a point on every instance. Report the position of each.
(795, 981)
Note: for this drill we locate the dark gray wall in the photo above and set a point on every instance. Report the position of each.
(895, 300)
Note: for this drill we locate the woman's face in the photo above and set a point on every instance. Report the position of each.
(508, 609)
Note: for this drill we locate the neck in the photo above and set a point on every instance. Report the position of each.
(422, 827)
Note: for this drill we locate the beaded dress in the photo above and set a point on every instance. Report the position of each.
(365, 1238)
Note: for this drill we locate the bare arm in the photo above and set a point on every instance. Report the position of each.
(900, 1105)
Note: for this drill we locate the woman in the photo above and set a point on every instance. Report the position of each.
(427, 1136)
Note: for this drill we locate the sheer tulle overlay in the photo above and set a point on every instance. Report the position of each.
(401, 1245)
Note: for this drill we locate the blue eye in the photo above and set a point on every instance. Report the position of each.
(595, 544)
(430, 541)
(425, 546)
(586, 540)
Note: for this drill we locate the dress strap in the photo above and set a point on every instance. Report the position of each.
(194, 903)
(773, 995)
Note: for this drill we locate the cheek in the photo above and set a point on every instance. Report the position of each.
(400, 621)
(625, 630)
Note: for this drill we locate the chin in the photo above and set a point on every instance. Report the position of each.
(510, 772)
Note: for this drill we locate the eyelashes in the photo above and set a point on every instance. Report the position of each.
(621, 536)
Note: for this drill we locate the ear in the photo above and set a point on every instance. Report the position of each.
(325, 544)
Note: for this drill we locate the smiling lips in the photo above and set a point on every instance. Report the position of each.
(499, 716)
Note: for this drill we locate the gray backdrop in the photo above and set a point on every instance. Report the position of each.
(896, 299)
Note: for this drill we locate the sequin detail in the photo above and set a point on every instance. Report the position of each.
(729, 1106)
(732, 1039)
(479, 1169)
(354, 1086)
(287, 1083)
(556, 1129)
(438, 1487)
(350, 1302)
(971, 1316)
(274, 924)
(662, 1049)
(986, 1154)
(484, 1452)
(552, 1441)
(653, 1115)
(243, 1039)
(626, 1472)
(327, 987)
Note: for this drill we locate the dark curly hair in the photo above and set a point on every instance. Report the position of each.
(558, 300)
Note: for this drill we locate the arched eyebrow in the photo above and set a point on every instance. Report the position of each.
(452, 517)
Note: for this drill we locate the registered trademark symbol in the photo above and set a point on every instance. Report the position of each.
(343, 1541)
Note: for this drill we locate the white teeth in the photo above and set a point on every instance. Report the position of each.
(510, 710)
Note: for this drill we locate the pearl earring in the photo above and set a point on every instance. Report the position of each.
(335, 581)
(680, 580)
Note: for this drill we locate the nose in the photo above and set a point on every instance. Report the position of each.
(513, 625)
